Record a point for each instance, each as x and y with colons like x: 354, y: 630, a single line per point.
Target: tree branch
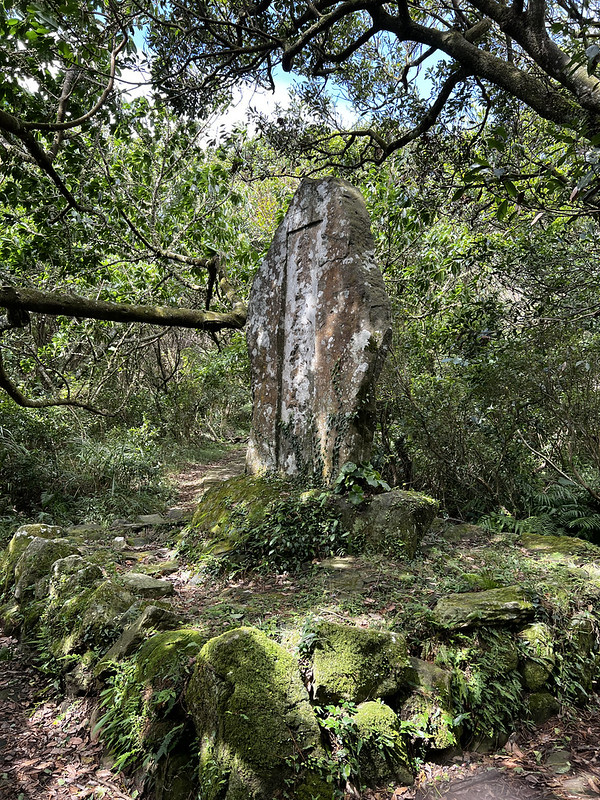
x: 58, y: 304
x: 19, y: 398
x: 74, y: 123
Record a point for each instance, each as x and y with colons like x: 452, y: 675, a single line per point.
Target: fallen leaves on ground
x: 45, y: 746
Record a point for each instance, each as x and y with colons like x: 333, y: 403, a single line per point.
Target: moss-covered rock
x: 429, y: 706
x: 36, y: 562
x: 143, y: 722
x: 90, y: 620
x: 392, y: 523
x: 252, y: 717
x: 582, y: 633
x: 11, y: 617
x: 216, y: 527
x: 40, y: 530
x: 357, y: 664
x: 493, y: 607
x: 486, y: 685
x: 558, y: 547
x: 537, y: 643
x: 462, y: 532
x: 70, y: 575
x: 175, y: 776
x: 542, y: 706
x: 383, y: 756
x: 80, y: 679
x: 149, y: 621
x: 165, y: 658
x: 17, y: 546
x: 146, y: 586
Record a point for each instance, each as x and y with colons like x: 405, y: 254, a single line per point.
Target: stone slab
x: 146, y: 586
x: 493, y: 607
x: 318, y: 331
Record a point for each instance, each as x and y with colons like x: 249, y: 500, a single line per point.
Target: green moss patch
x: 356, y: 664
x: 383, y: 755
x: 493, y: 607
x: 252, y: 716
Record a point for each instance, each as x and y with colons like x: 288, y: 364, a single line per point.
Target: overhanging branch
x: 57, y: 304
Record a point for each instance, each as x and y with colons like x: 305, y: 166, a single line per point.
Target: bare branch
x: 58, y: 304
x: 18, y: 397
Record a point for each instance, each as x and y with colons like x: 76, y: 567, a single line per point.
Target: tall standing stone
x: 318, y: 330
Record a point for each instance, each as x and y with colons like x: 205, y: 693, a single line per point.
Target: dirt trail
x: 190, y: 482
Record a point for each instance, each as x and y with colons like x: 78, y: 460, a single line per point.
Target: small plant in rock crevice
x: 338, y: 723
x: 487, y: 694
x: 293, y: 531
x: 341, y: 766
x: 356, y: 481
x: 142, y: 721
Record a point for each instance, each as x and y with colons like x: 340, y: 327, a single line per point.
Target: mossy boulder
x: 151, y: 620
x: 40, y: 530
x: 542, y: 706
x: 429, y: 706
x: 11, y: 617
x: 357, y: 664
x: 17, y: 546
x: 383, y: 756
x: 582, y: 633
x: 463, y: 531
x: 500, y: 651
x: 537, y: 644
x: 80, y: 679
x: 36, y: 562
x: 90, y: 620
x: 216, y: 525
x: 493, y: 607
x: 392, y: 523
x: 142, y: 720
x: 70, y: 575
x: 9, y: 558
x: 165, y: 658
x: 253, y: 718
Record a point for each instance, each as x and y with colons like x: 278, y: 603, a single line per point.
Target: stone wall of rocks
x: 251, y: 701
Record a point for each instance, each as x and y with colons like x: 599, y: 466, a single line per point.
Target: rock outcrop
x: 253, y: 719
x: 318, y: 331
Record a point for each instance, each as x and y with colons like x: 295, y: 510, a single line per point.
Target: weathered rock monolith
x: 318, y: 331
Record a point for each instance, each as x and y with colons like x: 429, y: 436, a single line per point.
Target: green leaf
x: 502, y: 210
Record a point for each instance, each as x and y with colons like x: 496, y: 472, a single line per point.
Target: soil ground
x: 47, y: 749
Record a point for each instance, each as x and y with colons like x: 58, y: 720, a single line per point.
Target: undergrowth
x: 142, y: 719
